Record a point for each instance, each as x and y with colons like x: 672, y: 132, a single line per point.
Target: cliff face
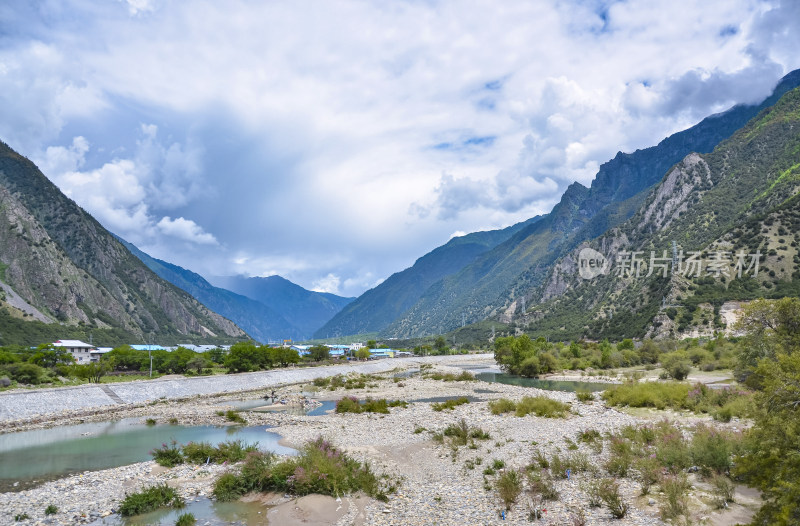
x: 734, y: 217
x: 62, y: 263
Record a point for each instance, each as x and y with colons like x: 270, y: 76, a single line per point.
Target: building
x: 82, y: 352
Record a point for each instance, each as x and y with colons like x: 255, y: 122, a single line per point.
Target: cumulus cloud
x: 329, y: 283
x: 123, y: 193
x: 185, y: 229
x: 351, y: 142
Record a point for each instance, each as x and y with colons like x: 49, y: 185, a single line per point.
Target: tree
x: 372, y: 344
x: 198, y: 363
x: 48, y: 355
x: 770, y: 461
x: 126, y: 358
x: 242, y: 357
x: 90, y: 371
x: 771, y: 326
x: 363, y: 354
x: 440, y: 345
x: 677, y: 364
x: 319, y: 353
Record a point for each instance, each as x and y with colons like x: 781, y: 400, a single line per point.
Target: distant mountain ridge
x: 494, y: 285
x: 275, y: 309
x: 305, y: 309
x: 64, y: 275
x: 378, y: 307
x: 257, y: 319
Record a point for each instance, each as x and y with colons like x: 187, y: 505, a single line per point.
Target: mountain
x: 304, y: 309
x: 378, y: 307
x: 258, y: 320
x: 64, y: 275
x: 725, y: 207
x: 495, y: 284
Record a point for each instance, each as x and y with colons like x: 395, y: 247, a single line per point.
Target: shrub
x: 449, y: 404
x: 594, y: 491
x: 228, y: 487
x: 575, y: 463
x: 648, y: 394
x: 541, y: 406
x: 51, y: 509
x: 584, y: 396
x: 186, y: 519
x: 541, y: 483
x: 509, y: 486
x: 150, y: 499
x: 672, y: 451
x: 609, y: 494
x: 620, y: 456
x: 234, y: 416
x: 503, y: 405
x: 150, y: 421
x: 348, y: 404
x: 650, y: 472
x: 376, y: 406
x: 674, y: 488
x: 711, y: 450
x: 318, y: 468
x: 723, y: 490
x: 168, y: 455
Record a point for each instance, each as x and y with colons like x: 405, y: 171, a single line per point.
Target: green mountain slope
x: 258, y: 320
x: 739, y: 200
x: 494, y: 284
x: 304, y: 309
x: 378, y: 307
x: 69, y: 275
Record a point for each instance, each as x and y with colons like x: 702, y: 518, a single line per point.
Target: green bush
x: 449, y: 404
x: 672, y: 451
x: 150, y: 499
x: 318, y: 468
x: 541, y: 406
x: 234, y: 416
x: 675, y: 488
x: 648, y: 394
x: 509, y: 486
x: 584, y: 396
x: 608, y: 491
x: 503, y: 405
x: 712, y: 450
x: 186, y: 519
x: 51, y: 509
x: 168, y: 455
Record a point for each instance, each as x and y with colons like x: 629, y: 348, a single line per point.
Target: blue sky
x: 334, y: 142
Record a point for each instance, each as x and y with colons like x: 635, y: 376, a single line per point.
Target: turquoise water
x: 31, y: 457
x: 258, y: 404
x: 549, y: 385
x: 205, y: 511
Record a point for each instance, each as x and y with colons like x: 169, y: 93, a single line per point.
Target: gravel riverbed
x: 439, y: 487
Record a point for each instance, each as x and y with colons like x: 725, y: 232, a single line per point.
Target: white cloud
x: 351, y: 141
x: 329, y: 283
x: 185, y: 229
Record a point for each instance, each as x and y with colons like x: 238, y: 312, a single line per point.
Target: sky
x: 334, y: 142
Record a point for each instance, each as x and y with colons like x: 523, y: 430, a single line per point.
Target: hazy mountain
x: 494, y: 284
x: 64, y: 275
x: 378, y: 307
x: 304, y: 309
x: 258, y: 320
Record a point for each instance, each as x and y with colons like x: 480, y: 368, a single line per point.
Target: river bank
x: 440, y: 485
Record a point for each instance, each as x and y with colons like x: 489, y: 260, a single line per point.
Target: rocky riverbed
x: 440, y: 485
